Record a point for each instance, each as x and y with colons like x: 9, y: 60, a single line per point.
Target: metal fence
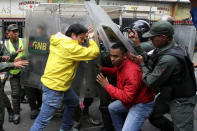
x: 5, y: 22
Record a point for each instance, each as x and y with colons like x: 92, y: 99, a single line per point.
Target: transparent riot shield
x: 185, y: 35
x: 107, y: 29
x: 40, y: 25
x: 85, y: 79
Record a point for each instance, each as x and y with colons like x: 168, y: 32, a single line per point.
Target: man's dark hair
x: 42, y: 27
x: 76, y: 29
x: 119, y: 46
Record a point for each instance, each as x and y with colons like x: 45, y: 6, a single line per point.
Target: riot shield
x: 185, y: 35
x: 107, y: 29
x: 40, y: 25
x: 85, y: 79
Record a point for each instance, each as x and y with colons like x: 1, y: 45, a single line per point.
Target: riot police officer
x: 170, y: 71
x: 141, y: 27
x: 14, y: 48
x: 30, y: 76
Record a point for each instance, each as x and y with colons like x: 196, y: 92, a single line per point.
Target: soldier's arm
x: 6, y: 66
x: 1, y: 59
x: 161, y: 73
x: 7, y: 53
x: 142, y: 49
x: 13, y: 56
x: 147, y: 46
x: 141, y: 52
x: 16, y: 64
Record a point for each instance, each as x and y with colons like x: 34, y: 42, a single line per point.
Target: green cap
x: 160, y: 28
x: 12, y: 27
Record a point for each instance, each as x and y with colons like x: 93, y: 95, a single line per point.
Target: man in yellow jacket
x: 65, y: 53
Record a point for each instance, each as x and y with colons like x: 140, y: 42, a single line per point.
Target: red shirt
x: 130, y: 88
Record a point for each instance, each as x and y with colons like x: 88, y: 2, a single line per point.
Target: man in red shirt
x: 131, y: 95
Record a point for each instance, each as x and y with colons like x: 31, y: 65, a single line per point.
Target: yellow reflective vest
x: 62, y: 63
x: 9, y: 46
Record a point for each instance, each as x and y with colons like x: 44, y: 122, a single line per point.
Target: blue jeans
x: 51, y: 101
x: 135, y: 118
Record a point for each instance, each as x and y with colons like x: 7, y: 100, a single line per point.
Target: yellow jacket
x: 63, y: 59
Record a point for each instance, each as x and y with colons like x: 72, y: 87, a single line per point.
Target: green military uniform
x: 145, y: 46
x: 10, y: 50
x: 7, y: 103
x: 165, y: 77
x: 3, y: 67
x: 2, y: 113
x: 160, y: 108
x: 6, y: 100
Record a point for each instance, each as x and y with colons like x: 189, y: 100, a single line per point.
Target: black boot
x: 10, y: 114
x: 1, y: 128
x: 24, y: 100
x: 34, y: 114
x: 16, y: 119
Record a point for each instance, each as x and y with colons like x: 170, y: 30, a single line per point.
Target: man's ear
x: 164, y: 37
x: 73, y: 36
x: 8, y: 32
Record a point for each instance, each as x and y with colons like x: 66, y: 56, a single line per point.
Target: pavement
x: 55, y: 123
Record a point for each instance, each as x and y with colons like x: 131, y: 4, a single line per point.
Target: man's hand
x: 90, y: 29
x: 134, y: 37
x: 19, y: 50
x: 195, y: 65
x: 102, y: 80
x: 5, y: 58
x: 21, y: 63
x: 90, y: 33
x: 137, y: 59
x: 19, y: 59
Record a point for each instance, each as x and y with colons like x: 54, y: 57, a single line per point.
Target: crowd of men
x: 133, y: 88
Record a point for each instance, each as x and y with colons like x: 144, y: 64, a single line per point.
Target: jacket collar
x: 167, y: 46
x: 122, y: 64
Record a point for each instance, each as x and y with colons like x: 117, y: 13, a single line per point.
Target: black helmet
x: 167, y: 18
x: 141, y: 26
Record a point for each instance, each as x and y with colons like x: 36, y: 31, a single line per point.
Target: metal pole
x: 150, y: 15
x: 120, y: 18
x: 3, y: 39
x: 59, y: 9
x: 10, y: 8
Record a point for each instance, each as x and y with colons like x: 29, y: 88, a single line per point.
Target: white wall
x: 10, y: 8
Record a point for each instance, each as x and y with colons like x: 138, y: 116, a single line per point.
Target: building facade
x: 14, y: 11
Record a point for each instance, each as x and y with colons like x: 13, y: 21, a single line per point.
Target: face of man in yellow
x: 80, y: 38
x: 77, y: 32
